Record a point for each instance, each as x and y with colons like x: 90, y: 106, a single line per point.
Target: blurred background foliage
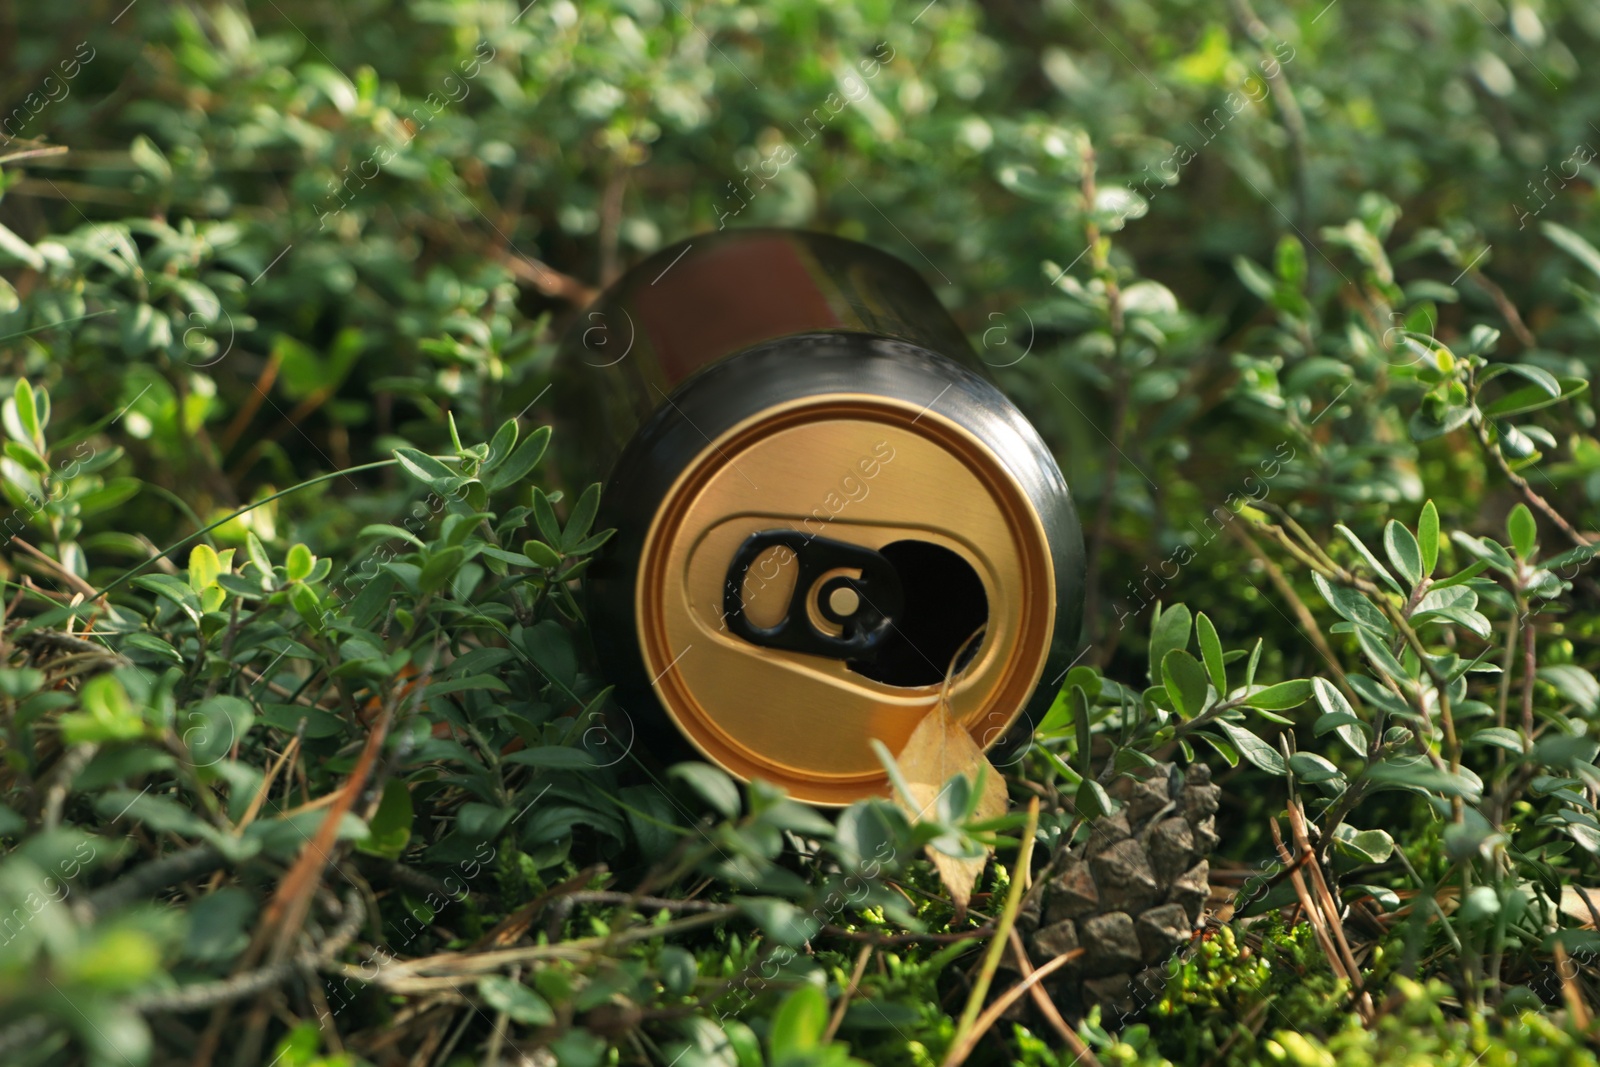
x: 291, y: 236
x: 1212, y: 249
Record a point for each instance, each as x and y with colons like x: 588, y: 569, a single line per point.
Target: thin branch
x: 1330, y: 908
x: 251, y: 983
x: 1010, y: 997
x: 1308, y: 905
x: 967, y: 1030
x: 147, y: 879
x: 1047, y: 1007
x: 1529, y: 494
x: 1308, y: 621
x: 547, y: 280
x: 1508, y: 310
x: 849, y: 991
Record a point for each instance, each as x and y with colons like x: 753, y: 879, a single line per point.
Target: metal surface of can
x: 819, y: 499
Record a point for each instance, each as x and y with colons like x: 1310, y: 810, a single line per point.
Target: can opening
x: 944, y: 605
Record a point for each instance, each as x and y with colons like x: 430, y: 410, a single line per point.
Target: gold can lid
x: 862, y: 470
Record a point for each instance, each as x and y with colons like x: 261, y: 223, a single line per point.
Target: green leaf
x: 1312, y: 768
x: 1491, y: 552
x: 520, y: 462
x: 204, y: 567
x: 1081, y: 731
x: 305, y: 601
x: 422, y: 466
x: 1572, y: 244
x: 779, y: 919
x: 1428, y: 537
x: 165, y: 585
x: 1170, y: 631
x: 742, y: 1041
x: 516, y: 559
x: 114, y: 1033
x: 1369, y: 846
x: 582, y: 518
x: 217, y: 925
x: 1499, y: 737
x: 299, y: 562
x: 1352, y: 605
x: 386, y: 530
x: 1339, y: 716
x: 440, y: 569
x: 18, y: 682
x: 557, y: 757
x: 592, y: 543
x: 20, y: 250
x: 1256, y: 751
x: 149, y: 159
x: 1229, y: 754
x: 1254, y: 662
x: 115, y: 493
x: 500, y: 446
x: 1526, y: 371
x: 1533, y: 398
x: 1257, y: 280
x: 1481, y: 903
x: 27, y: 413
x: 257, y: 552
x: 1461, y: 577
x: 549, y: 645
x: 466, y: 683
x: 1574, y: 683
x: 1372, y: 561
x: 159, y: 813
x: 1424, y: 427
x: 1185, y: 681
x: 1281, y: 697
x: 1381, y: 657
x: 1582, y: 554
x: 1465, y: 617
x: 713, y: 785
x: 390, y: 828
x: 1415, y: 772
x: 1403, y: 551
x: 107, y: 713
x: 678, y: 969
x: 211, y: 728
x: 1481, y: 340
x: 25, y: 455
x: 541, y: 554
x: 1523, y: 531
x: 1290, y: 260
x: 1211, y: 651
x: 544, y: 517
x: 1091, y: 800
x: 797, y: 1027
x: 519, y: 1002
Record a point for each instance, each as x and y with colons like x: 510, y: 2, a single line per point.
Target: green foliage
x: 1304, y: 299
x: 1229, y: 1004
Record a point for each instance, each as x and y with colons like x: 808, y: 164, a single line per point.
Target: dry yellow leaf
x: 938, y: 749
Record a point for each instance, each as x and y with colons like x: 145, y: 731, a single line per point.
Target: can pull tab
x: 864, y: 606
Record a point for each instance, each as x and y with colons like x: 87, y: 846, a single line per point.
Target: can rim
x: 1025, y: 663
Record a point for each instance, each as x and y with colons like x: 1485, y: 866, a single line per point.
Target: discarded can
x: 819, y: 499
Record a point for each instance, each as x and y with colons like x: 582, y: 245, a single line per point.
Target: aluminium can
x: 824, y: 510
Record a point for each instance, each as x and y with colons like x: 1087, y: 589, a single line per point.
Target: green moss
x: 1228, y: 1004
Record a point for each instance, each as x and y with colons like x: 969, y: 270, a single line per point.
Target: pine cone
x: 1129, y: 894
